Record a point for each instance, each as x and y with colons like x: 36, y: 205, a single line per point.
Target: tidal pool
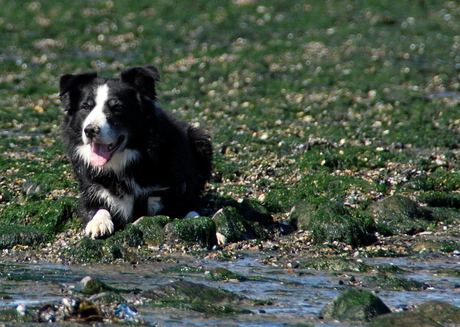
x: 297, y: 295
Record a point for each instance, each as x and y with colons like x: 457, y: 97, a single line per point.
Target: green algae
x: 381, y: 281
x: 197, y: 297
x: 354, y: 305
x: 235, y: 227
x: 337, y: 264
x: 201, y: 230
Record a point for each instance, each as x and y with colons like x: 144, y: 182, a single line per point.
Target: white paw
x: 192, y: 214
x: 100, y: 225
x: 221, y: 239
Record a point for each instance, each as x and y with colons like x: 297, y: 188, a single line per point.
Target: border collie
x: 130, y: 157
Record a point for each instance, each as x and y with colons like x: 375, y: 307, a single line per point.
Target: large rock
x: 197, y: 297
x: 354, y: 305
x: 201, y: 230
x: 332, y: 222
x: 399, y: 215
x: 235, y: 227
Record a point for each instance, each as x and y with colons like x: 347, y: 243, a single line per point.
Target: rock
x: 89, y: 286
x: 197, y: 297
x: 440, y: 312
x: 354, y: 305
x: 14, y: 315
x: 404, y: 319
x: 11, y: 235
x: 44, y: 219
x: 301, y: 214
x: 399, y: 215
x: 337, y: 264
x: 332, y: 222
x: 254, y: 211
x: 153, y: 229
x: 201, y: 230
x: 88, y: 250
x: 394, y: 283
x: 231, y: 224
x: 130, y: 236
x: 221, y: 273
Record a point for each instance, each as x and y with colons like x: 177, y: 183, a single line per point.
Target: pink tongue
x: 100, y: 154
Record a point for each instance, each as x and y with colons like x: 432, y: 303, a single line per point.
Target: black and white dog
x: 130, y: 157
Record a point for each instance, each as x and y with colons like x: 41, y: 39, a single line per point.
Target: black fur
x: 172, y: 155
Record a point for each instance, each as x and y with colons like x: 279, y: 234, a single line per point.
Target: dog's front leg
x: 100, y: 225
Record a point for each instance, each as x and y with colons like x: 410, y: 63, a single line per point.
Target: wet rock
x: 336, y: 264
x: 197, y: 297
x: 404, y: 319
x: 231, y: 224
x: 399, y: 215
x: 130, y: 236
x: 354, y: 305
x: 301, y: 214
x: 11, y: 235
x: 89, y: 286
x: 394, y: 283
x: 87, y: 250
x: 153, y: 229
x: 440, y: 312
x: 254, y: 211
x: 201, y: 230
x: 184, y: 268
x: 35, y: 222
x: 332, y: 222
x: 223, y: 274
x: 15, y: 315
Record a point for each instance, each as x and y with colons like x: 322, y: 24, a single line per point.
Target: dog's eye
x: 85, y: 106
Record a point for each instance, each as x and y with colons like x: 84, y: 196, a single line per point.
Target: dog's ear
x: 143, y: 78
x: 69, y: 81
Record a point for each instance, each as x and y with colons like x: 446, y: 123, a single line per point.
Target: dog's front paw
x: 100, y: 225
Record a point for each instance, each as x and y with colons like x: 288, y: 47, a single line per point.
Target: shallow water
x: 298, y: 294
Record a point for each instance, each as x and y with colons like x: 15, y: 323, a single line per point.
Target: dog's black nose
x: 91, y: 131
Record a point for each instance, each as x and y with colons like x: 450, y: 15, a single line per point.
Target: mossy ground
x: 329, y: 101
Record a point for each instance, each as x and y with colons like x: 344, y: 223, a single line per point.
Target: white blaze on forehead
x: 96, y: 116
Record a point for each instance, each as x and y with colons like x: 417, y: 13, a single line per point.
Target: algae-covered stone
x: 354, y: 305
x: 394, y: 283
x: 201, y: 230
x: 90, y: 286
x: 87, y: 250
x: 332, y: 222
x: 337, y: 264
x: 184, y: 268
x: 404, y: 319
x: 152, y: 229
x: 11, y: 235
x: 197, y: 297
x: 440, y: 312
x: 221, y: 273
x: 235, y: 227
x: 301, y: 214
x: 130, y: 236
x: 36, y: 222
x: 399, y: 215
x: 254, y: 211
x: 15, y: 316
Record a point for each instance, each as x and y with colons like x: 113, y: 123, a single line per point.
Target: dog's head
x: 105, y: 112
